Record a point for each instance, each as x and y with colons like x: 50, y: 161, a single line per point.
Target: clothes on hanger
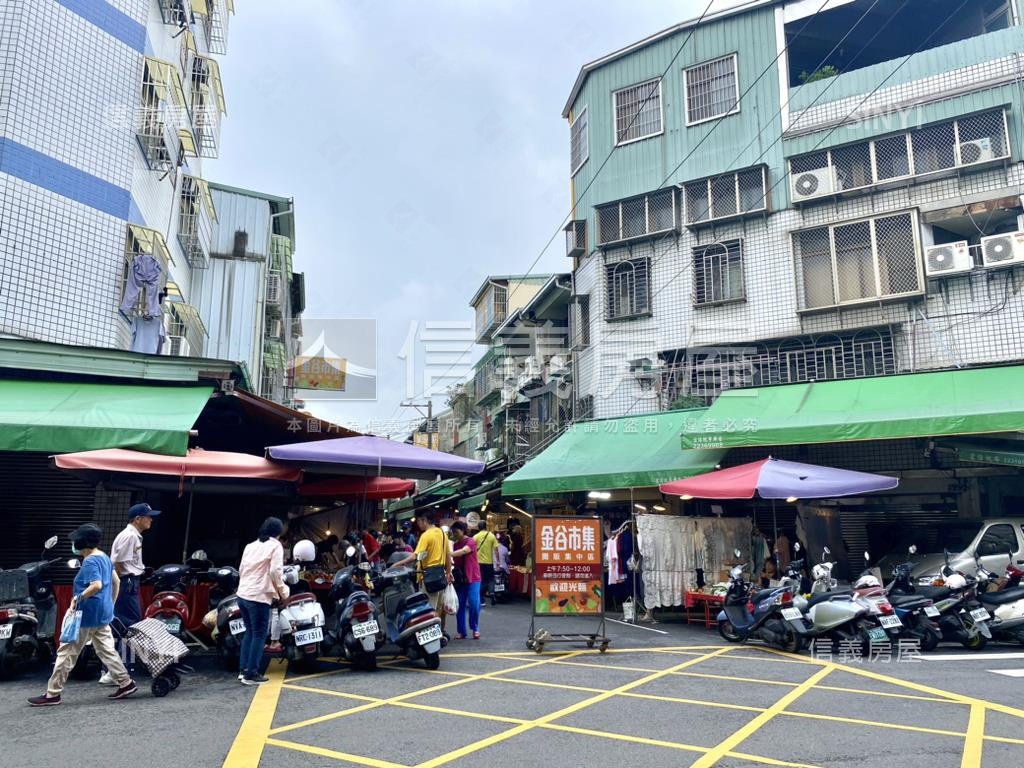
x: 148, y: 334
x: 145, y: 272
x: 615, y: 571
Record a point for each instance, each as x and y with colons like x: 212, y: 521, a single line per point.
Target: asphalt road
x: 673, y: 697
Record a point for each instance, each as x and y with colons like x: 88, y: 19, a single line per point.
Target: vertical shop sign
x: 567, y: 566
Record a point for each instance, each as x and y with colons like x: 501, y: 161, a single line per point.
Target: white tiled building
x: 107, y: 111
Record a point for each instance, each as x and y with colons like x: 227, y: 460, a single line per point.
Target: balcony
x: 157, y: 138
x: 491, y: 311
x: 208, y: 105
x: 974, y: 64
x: 195, y: 221
x: 214, y: 16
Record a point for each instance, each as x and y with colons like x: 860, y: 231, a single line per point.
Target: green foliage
x: 824, y: 73
x: 683, y: 402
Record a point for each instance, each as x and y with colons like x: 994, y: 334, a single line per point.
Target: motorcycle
x: 28, y: 614
x: 747, y: 614
x: 301, y: 616
x: 169, y: 603
x: 1007, y: 604
x: 411, y: 623
x: 355, y: 627
x: 500, y: 586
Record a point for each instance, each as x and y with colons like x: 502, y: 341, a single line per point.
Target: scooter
x: 302, y: 622
x: 828, y: 613
x: 500, y: 586
x: 355, y: 628
x: 411, y: 624
x: 917, y: 612
x: 28, y: 614
x: 748, y: 615
x: 169, y: 603
x: 1006, y: 604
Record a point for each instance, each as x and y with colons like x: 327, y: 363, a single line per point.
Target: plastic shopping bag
x: 72, y: 625
x: 450, y: 602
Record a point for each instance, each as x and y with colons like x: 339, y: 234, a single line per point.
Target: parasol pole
x: 188, y: 520
x: 632, y: 538
x: 775, y: 526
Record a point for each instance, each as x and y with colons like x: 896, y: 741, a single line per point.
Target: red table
x: 520, y: 583
x: 707, y: 602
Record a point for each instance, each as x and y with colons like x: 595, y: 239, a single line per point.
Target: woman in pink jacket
x: 260, y: 582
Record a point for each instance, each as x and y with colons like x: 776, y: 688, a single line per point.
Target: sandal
x: 476, y: 635
x: 460, y: 637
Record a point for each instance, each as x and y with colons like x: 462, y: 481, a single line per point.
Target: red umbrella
x: 221, y: 472
x: 371, y: 489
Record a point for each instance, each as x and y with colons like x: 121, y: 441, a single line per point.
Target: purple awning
x: 374, y: 456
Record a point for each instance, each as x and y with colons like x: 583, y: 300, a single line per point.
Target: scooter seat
x: 935, y: 593
x: 908, y: 602
x: 1003, y: 596
x: 824, y: 597
x: 301, y: 597
x: 762, y: 594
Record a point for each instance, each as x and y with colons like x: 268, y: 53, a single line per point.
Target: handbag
x: 459, y: 577
x: 434, y: 578
x: 71, y: 627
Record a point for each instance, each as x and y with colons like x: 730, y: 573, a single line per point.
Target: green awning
x: 441, y: 489
x: 632, y: 452
x: 472, y: 502
x: 61, y: 417
x: 941, y: 403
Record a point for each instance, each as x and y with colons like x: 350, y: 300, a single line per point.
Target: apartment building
x: 794, y: 195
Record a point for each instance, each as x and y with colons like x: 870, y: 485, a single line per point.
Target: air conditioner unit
x: 978, y: 151
x: 811, y: 184
x: 275, y: 328
x: 1003, y: 250
x: 948, y: 259
x: 274, y: 289
x: 576, y: 239
x: 177, y: 346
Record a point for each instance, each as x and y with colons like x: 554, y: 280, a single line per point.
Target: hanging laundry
x: 615, y: 574
x: 145, y: 272
x: 148, y: 334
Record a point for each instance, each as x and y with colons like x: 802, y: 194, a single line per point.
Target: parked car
x: 991, y: 539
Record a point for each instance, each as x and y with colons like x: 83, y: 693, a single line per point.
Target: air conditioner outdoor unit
x: 1003, y: 250
x: 948, y: 259
x: 811, y: 184
x: 177, y: 346
x: 576, y: 239
x: 273, y: 289
x: 978, y: 151
x: 275, y: 328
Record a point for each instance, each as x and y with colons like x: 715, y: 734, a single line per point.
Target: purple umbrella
x: 374, y: 456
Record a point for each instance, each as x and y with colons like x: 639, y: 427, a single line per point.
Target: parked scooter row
x: 28, y: 613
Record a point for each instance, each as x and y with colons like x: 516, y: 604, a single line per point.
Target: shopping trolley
x: 158, y: 650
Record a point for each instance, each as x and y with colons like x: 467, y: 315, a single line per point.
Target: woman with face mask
x: 95, y: 591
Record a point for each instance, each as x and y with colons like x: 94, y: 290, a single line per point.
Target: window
x: 944, y: 147
x: 637, y: 217
x: 996, y: 14
x: 637, y: 111
x: 579, y: 320
x: 723, y: 197
x: 718, y: 272
x: 859, y: 261
x: 628, y: 289
x: 998, y: 540
x: 579, y: 141
x: 207, y: 104
x: 711, y: 90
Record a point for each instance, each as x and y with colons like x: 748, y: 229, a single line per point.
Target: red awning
x: 197, y: 463
x: 371, y: 488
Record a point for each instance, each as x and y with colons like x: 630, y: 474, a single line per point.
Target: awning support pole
x: 188, y: 521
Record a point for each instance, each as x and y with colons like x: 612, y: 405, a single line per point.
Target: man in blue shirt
x: 96, y: 587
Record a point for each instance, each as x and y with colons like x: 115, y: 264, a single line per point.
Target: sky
x: 424, y: 147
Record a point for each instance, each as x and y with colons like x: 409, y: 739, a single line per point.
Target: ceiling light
x: 328, y: 533
x: 641, y: 507
x: 659, y: 507
x: 599, y: 495
x: 686, y: 497
x: 791, y: 500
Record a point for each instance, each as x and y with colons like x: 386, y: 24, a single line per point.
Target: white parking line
x: 972, y: 656
x: 637, y: 626
x: 1009, y: 672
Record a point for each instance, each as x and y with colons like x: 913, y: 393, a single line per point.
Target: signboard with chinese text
x: 324, y: 373
x: 567, y: 566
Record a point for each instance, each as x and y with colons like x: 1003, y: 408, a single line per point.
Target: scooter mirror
x: 74, y: 563
x: 364, y: 566
x: 50, y: 543
x: 350, y: 552
x: 912, y: 549
x: 867, y: 557
x: 736, y: 553
x: 827, y: 551
x: 199, y: 554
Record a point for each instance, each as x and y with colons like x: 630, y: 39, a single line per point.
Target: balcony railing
x: 214, y: 16
x: 157, y: 137
x: 207, y: 101
x: 195, y: 222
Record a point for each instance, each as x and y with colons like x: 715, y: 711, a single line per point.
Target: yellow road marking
x: 247, y: 748
x: 1004, y: 740
x: 320, y: 751
x: 742, y: 734
x: 975, y: 740
x: 885, y: 694
x: 874, y: 723
x: 710, y: 676
x: 403, y: 697
x: 565, y: 711
x: 460, y: 713
x: 328, y: 692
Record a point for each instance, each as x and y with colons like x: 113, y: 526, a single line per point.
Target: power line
x: 597, y: 173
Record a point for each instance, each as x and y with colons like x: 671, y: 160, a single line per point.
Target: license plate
x: 877, y: 635
x: 6, y: 631
x: 890, y: 622
x: 424, y: 636
x: 365, y: 628
x: 980, y: 614
x: 499, y: 587
x: 173, y: 625
x: 237, y: 626
x: 931, y: 611
x: 307, y: 636
x: 791, y: 614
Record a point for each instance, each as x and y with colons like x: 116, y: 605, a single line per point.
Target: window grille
x: 962, y: 143
x: 724, y: 197
x: 718, y: 272
x: 194, y: 225
x: 155, y: 127
x: 579, y: 142
x: 207, y: 104
x: 214, y: 19
x: 711, y: 90
x: 174, y: 12
x: 576, y: 239
x: 579, y: 319
x: 637, y: 111
x: 859, y: 261
x: 585, y: 408
x: 628, y: 288
x: 637, y: 217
